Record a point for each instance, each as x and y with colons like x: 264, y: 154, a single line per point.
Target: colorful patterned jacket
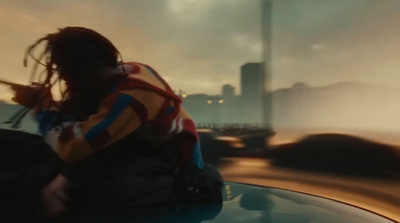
x: 142, y: 102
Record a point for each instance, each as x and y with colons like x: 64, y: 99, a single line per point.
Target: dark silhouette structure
x: 338, y: 153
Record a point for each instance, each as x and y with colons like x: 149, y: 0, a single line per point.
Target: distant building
x: 229, y: 108
x: 252, y: 83
x: 228, y: 91
x: 199, y: 110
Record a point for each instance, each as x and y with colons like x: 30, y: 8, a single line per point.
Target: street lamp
x: 217, y: 101
x: 182, y: 94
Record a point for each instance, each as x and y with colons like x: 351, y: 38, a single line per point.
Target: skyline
x: 190, y: 43
x: 197, y: 46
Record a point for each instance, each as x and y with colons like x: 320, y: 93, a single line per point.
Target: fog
x: 334, y: 67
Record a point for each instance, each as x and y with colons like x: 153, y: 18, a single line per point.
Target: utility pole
x: 266, y: 22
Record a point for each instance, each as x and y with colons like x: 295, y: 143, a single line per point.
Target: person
x: 118, y: 128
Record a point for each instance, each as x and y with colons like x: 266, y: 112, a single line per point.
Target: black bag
x: 194, y: 185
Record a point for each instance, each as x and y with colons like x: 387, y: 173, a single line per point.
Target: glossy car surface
x: 249, y: 203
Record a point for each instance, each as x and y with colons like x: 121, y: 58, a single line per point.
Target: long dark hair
x: 74, y: 56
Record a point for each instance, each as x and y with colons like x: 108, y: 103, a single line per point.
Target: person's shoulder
x: 136, y: 63
x: 137, y: 67
x: 145, y: 76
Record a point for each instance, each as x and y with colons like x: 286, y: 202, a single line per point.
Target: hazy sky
x: 196, y: 45
x: 326, y: 41
x: 199, y: 45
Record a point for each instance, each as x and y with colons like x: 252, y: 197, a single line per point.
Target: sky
x: 199, y: 45
x: 321, y: 42
x: 196, y: 45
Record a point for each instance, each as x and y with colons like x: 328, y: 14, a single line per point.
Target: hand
x: 27, y: 95
x: 54, y: 197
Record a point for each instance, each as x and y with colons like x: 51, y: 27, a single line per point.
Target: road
x: 380, y: 195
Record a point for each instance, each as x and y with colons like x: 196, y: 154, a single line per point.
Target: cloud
x: 317, y: 47
x: 335, y: 41
x: 185, y: 39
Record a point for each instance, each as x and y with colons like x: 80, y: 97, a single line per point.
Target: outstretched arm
x: 119, y: 114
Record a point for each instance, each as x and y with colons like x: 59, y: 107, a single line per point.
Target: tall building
x: 267, y: 21
x: 252, y: 83
x: 228, y: 91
